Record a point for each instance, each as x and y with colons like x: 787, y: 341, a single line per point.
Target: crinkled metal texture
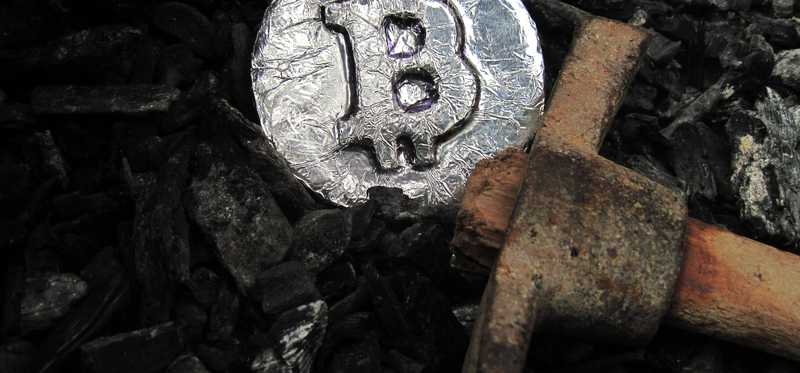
x: 398, y: 93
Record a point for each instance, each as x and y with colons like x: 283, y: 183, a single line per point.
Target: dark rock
x: 109, y: 293
x: 697, y: 109
x: 178, y: 66
x: 87, y: 52
x: 221, y: 358
x: 16, y: 356
x: 641, y: 97
x: 192, y: 320
x: 284, y: 286
x: 661, y: 50
x: 321, y: 237
x: 298, y: 334
x: 74, y: 204
x: 161, y: 233
x: 141, y: 351
x: 223, y: 315
x: 347, y: 330
x: 393, y: 205
x: 467, y: 314
x: 205, y: 286
x: 766, y: 167
x: 54, y: 161
x: 235, y: 210
x: 289, y: 192
x: 386, y: 304
x: 187, y: 24
x: 187, y: 364
x: 269, y: 362
x: 361, y: 357
x: 701, y: 160
x: 787, y: 68
x: 242, y: 41
x: 337, y: 281
x: 129, y: 99
x: 783, y: 8
x: 782, y: 33
x: 357, y: 300
x: 49, y: 297
x: 404, y: 364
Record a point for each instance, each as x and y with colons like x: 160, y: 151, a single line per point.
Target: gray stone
x: 49, y: 297
x: 766, y: 168
x: 787, y: 68
x: 236, y: 211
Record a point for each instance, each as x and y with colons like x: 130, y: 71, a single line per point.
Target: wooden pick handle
x: 739, y: 290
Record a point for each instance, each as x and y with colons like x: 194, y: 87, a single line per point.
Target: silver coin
x: 398, y: 93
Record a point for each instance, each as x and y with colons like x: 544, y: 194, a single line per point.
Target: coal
x: 783, y: 8
x: 704, y: 104
x: 360, y: 357
x: 48, y: 297
x: 701, y: 161
x: 205, y: 286
x: 161, y: 245
x: 128, y: 99
x: 404, y: 364
x: 766, y: 167
x: 268, y: 361
x: 782, y: 33
x: 321, y: 237
x: 192, y: 319
x: 298, y: 334
x: 109, y: 293
x: 16, y: 356
x: 187, y: 24
x: 55, y: 163
x: 386, y: 304
x: 661, y: 49
x: 284, y: 286
x: 787, y: 68
x: 236, y: 211
x: 187, y: 364
x: 82, y: 52
x: 141, y: 351
x: 223, y: 315
x: 337, y: 281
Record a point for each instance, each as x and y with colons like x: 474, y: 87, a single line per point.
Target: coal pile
x: 148, y: 226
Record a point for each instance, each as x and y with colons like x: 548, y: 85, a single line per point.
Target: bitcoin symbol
x: 410, y: 80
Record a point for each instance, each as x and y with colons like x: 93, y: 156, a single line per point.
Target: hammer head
x: 604, y: 244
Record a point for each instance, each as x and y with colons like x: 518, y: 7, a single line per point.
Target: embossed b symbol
x: 410, y: 80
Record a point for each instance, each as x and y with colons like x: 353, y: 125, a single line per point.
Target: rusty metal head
x: 594, y: 251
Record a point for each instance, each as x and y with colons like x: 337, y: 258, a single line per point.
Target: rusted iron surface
x: 602, y: 63
x: 594, y: 250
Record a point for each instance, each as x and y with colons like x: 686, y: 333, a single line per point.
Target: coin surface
x: 398, y: 93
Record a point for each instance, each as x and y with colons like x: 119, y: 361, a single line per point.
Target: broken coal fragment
x: 766, y: 167
x: 222, y: 315
x: 142, y: 351
x: 128, y: 99
x: 361, y: 357
x: 700, y: 159
x: 298, y: 334
x: 236, y: 211
x: 187, y: 364
x: 187, y: 24
x: 16, y: 356
x: 49, y: 297
x: 284, y: 286
x: 787, y: 68
x: 269, y: 362
x: 321, y: 237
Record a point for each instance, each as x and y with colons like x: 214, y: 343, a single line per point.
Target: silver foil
x: 399, y: 93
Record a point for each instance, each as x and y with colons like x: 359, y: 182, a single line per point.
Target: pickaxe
x: 596, y: 250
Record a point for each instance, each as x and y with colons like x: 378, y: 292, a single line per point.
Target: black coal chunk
x: 284, y: 286
x: 141, y: 351
x: 701, y: 159
x: 128, y: 99
x: 787, y: 68
x: 187, y: 364
x: 363, y: 356
x: 188, y: 25
x: 269, y: 362
x: 16, y: 356
x: 223, y: 315
x: 321, y: 237
x: 49, y: 297
x: 782, y: 33
x: 236, y: 212
x: 766, y: 167
x: 298, y: 334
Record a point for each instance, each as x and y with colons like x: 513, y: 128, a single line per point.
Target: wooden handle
x: 740, y: 290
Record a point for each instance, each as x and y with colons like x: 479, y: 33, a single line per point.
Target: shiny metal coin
x: 399, y: 93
